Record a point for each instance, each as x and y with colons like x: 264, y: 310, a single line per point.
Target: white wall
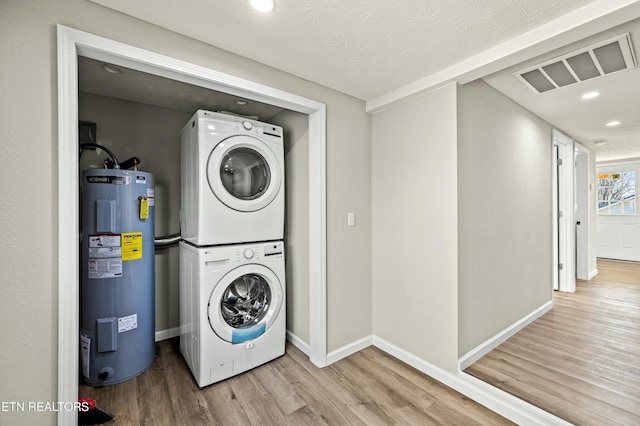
x: 415, y: 232
x: 28, y: 148
x: 504, y: 196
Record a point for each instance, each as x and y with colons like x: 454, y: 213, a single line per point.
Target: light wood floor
x: 367, y: 388
x: 581, y: 360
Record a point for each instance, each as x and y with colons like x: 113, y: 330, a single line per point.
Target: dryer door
x: 244, y: 173
x: 245, y: 303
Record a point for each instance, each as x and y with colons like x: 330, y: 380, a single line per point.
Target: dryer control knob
x: 247, y: 125
x: 248, y: 253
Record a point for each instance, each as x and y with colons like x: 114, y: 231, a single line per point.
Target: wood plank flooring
x: 581, y: 360
x: 367, y: 388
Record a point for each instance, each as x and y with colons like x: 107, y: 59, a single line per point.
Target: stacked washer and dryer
x: 232, y: 270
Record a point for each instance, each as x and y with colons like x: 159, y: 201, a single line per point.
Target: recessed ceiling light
x: 241, y: 102
x: 263, y: 5
x: 590, y: 95
x: 111, y: 68
x: 613, y: 123
x: 600, y: 143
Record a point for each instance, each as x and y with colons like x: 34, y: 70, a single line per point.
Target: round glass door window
x: 245, y: 301
x: 245, y: 173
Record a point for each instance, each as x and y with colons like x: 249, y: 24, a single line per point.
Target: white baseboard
x: 593, y: 273
x: 332, y: 356
x: 487, y: 346
x: 349, y: 349
x: 298, y: 343
x: 495, y: 399
x: 508, y: 406
x: 167, y: 334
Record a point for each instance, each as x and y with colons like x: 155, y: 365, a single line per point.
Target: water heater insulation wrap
x: 117, y: 284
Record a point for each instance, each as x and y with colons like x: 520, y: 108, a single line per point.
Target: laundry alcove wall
x: 152, y: 133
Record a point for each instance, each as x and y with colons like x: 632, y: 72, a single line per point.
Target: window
x: 617, y: 193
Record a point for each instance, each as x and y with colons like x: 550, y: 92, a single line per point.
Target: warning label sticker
x: 111, y: 240
x: 105, y: 268
x: 132, y: 246
x: 85, y: 350
x: 127, y: 323
x: 151, y: 196
x: 105, y: 256
x: 104, y: 252
x: 144, y: 208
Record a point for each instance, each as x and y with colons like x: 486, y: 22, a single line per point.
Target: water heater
x: 117, y: 336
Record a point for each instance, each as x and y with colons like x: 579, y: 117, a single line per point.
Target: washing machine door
x: 244, y: 173
x: 245, y: 303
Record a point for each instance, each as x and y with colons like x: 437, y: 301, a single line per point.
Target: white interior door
x: 618, y: 223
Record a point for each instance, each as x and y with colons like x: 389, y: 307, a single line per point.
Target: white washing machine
x: 232, y: 188
x: 232, y: 308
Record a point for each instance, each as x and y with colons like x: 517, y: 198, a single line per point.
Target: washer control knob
x: 248, y: 253
x: 247, y: 125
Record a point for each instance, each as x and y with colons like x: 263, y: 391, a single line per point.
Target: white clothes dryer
x: 232, y: 308
x: 232, y: 188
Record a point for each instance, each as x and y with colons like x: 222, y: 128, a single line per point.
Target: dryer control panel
x: 207, y: 121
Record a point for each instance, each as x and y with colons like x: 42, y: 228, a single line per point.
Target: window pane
x: 629, y: 207
x: 617, y: 193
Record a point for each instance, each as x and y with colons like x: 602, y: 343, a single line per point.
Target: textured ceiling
x: 364, y: 48
x: 375, y: 49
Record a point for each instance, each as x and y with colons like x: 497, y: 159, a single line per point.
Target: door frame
x: 73, y: 43
x: 555, y: 240
x: 565, y: 230
x: 583, y: 211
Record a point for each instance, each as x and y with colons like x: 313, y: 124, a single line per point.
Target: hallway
x: 581, y: 360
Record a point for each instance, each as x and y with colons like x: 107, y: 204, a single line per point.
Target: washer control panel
x: 275, y: 249
x: 260, y: 251
x: 220, y: 257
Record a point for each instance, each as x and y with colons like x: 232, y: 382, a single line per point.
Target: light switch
x: 351, y: 219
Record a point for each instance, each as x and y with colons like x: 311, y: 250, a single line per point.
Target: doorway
x: 564, y: 244
x: 73, y: 43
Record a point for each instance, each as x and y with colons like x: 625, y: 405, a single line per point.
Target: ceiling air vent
x: 601, y: 59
